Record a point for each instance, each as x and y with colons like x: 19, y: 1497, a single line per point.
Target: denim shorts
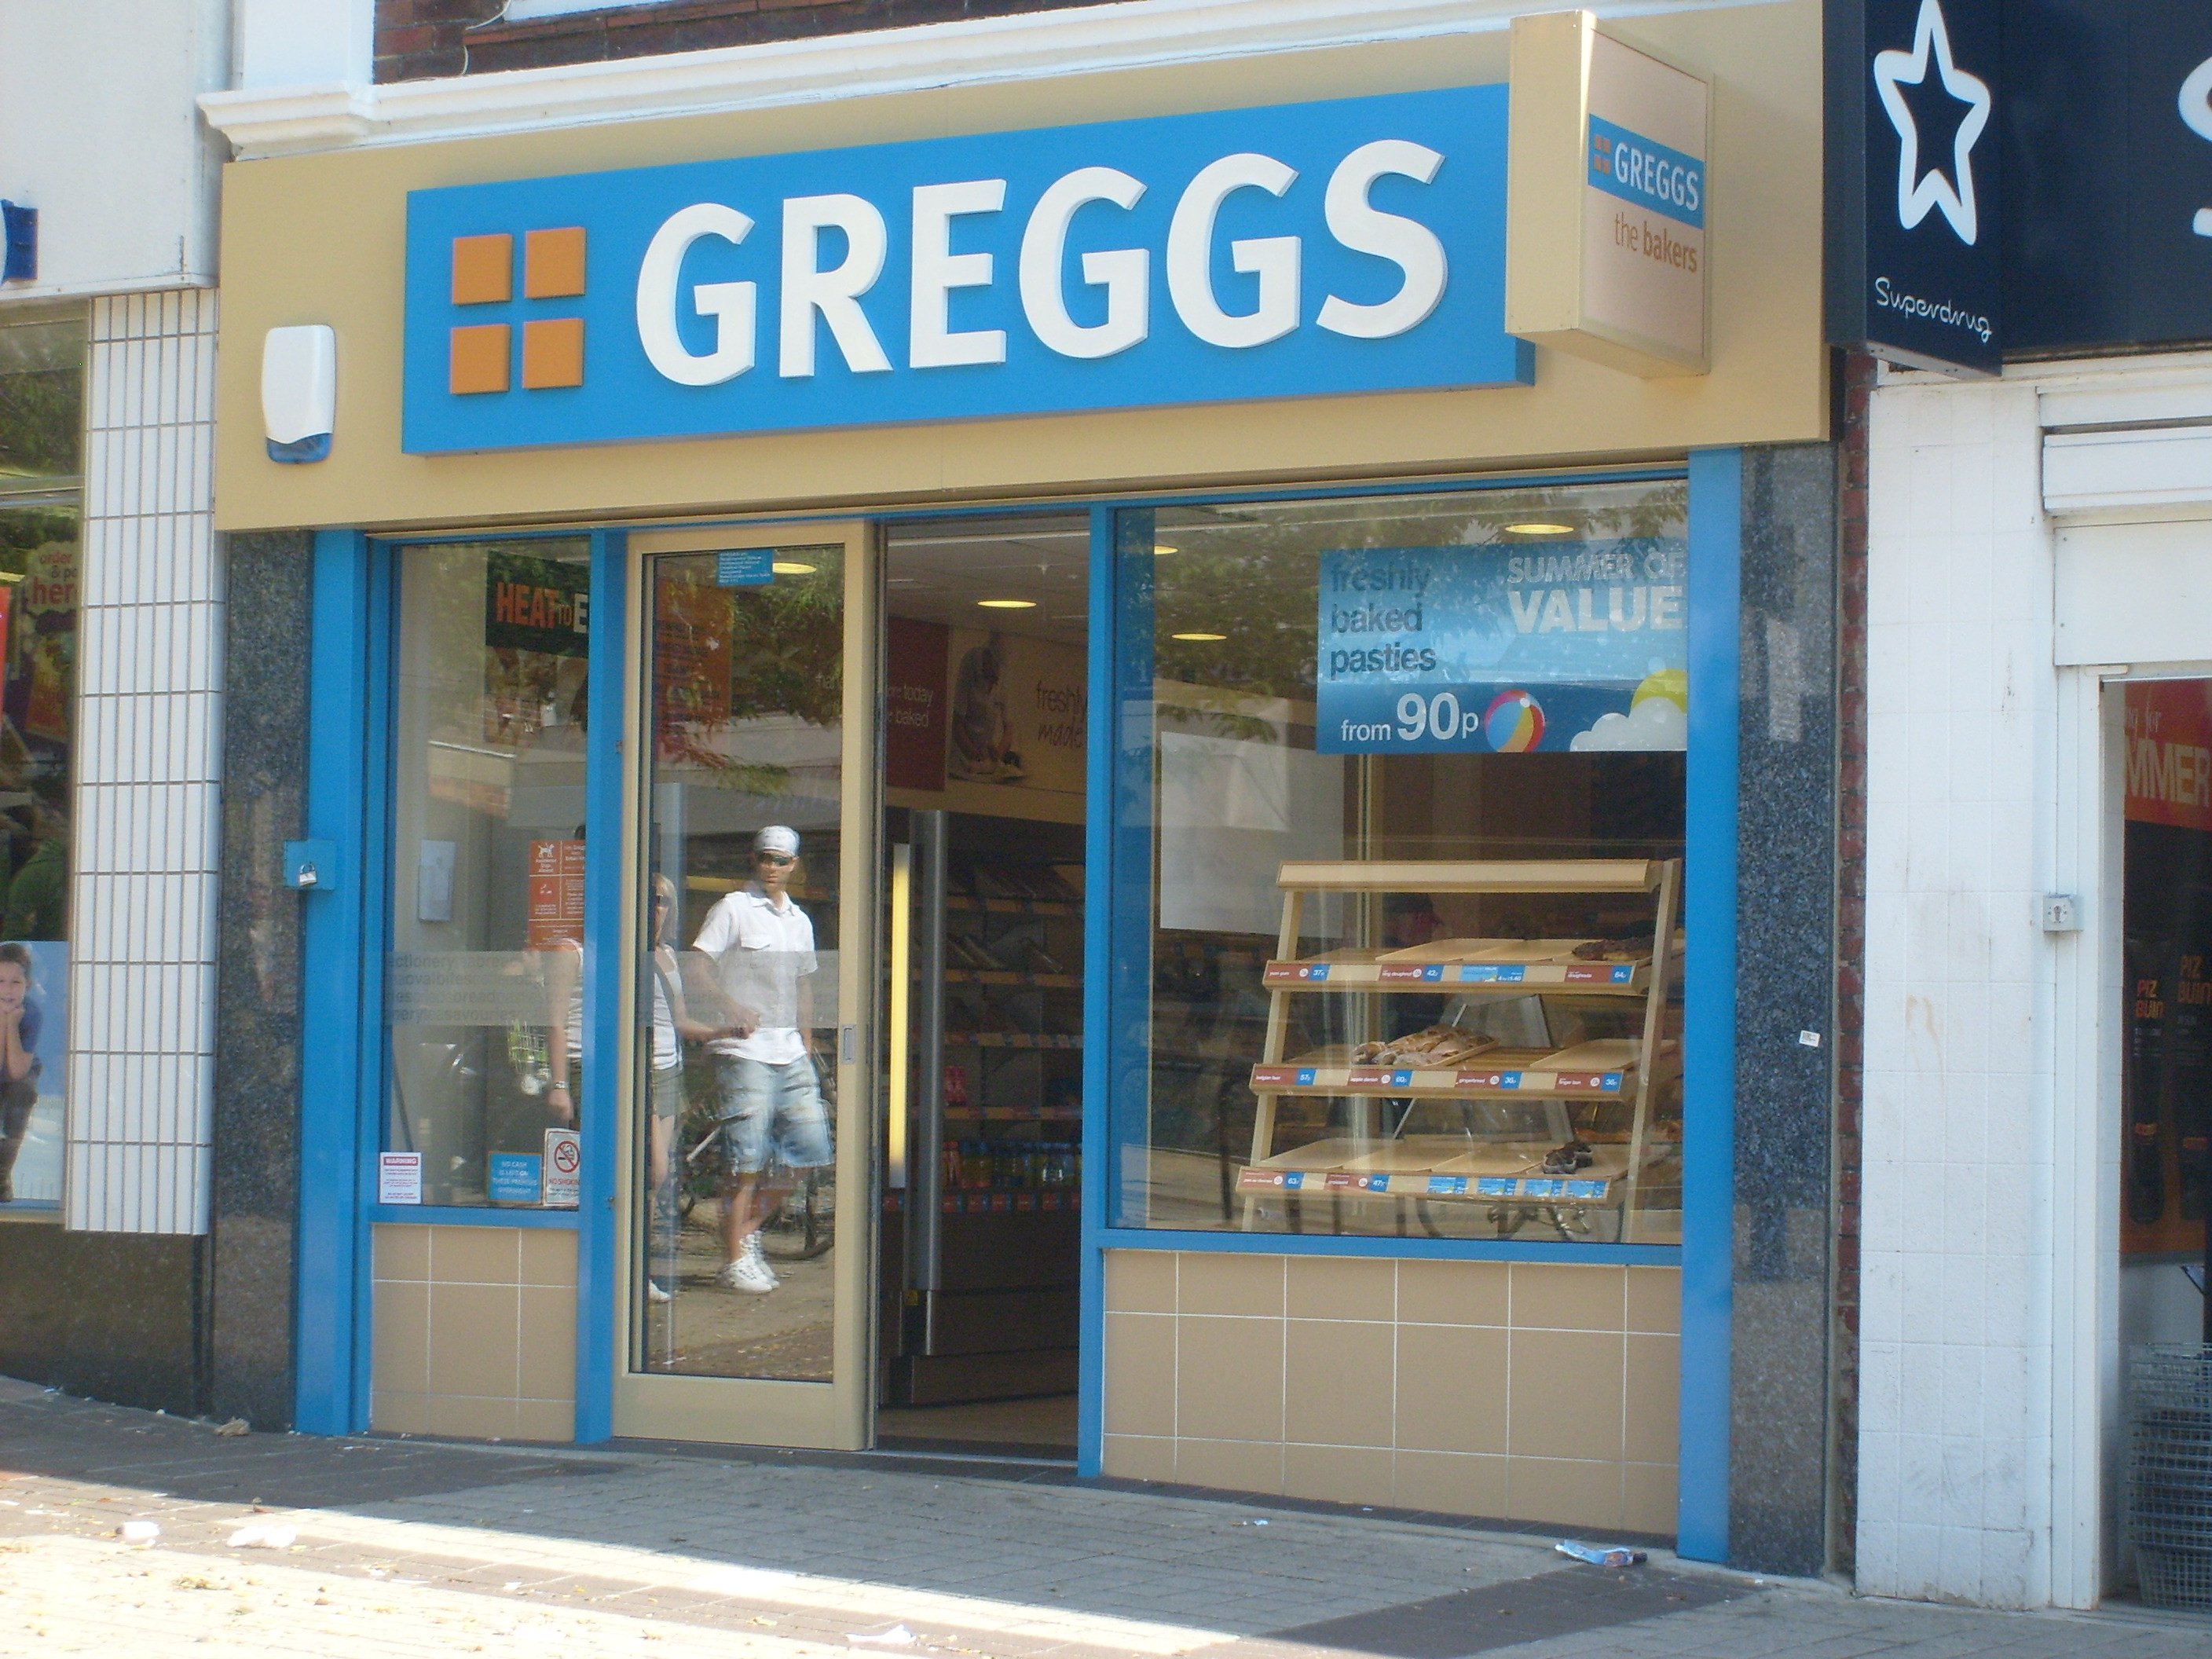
x: 668, y: 1092
x: 766, y: 1106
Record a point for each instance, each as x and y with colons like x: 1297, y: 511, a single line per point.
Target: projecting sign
x: 1350, y: 246
x: 1579, y: 646
x: 1607, y: 256
x: 1916, y: 261
x: 2107, y: 111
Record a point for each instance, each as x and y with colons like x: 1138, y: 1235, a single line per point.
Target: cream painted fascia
x: 321, y: 239
x: 1139, y: 33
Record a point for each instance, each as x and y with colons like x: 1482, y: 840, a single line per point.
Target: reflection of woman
x: 564, y: 1027
x: 20, y: 1022
x: 672, y: 1027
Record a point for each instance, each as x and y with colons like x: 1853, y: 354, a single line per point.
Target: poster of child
x: 982, y: 736
x: 33, y: 1035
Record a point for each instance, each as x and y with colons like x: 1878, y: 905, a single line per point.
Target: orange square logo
x: 552, y: 353
x: 478, y: 358
x: 484, y: 269
x: 553, y: 264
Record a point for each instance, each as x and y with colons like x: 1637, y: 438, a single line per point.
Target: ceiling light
x: 1207, y: 638
x: 792, y: 567
x: 1539, y: 527
x: 1161, y: 550
x: 1007, y: 605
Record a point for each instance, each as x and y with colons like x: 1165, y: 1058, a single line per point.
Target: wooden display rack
x: 1446, y: 1166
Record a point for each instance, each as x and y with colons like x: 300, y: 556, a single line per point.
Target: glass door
x: 748, y: 1226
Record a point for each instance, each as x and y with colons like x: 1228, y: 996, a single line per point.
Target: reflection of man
x: 763, y: 947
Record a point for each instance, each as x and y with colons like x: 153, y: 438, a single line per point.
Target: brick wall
x: 418, y: 39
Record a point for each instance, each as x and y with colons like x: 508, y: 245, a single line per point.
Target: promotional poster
x: 33, y: 1034
x: 1577, y: 645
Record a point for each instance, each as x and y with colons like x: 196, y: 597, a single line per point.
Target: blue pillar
x: 605, y: 887
x: 338, y: 937
x: 1708, y: 1000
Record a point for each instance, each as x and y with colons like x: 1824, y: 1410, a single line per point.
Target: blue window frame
x: 1131, y: 544
x: 342, y: 1081
x: 1118, y: 975
x: 346, y: 932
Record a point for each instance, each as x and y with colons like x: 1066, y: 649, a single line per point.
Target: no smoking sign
x: 564, y: 1160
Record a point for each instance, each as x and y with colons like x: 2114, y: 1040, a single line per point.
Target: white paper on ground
x: 262, y: 1535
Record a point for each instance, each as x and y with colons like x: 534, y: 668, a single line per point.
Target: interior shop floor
x: 1027, y: 1428
x: 386, y: 1547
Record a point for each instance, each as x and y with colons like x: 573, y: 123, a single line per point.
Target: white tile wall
x: 149, y: 715
x: 1954, y: 1455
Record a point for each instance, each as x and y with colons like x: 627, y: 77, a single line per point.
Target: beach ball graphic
x: 1672, y: 683
x: 1514, y: 723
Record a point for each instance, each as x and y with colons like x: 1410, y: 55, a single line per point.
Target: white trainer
x: 759, y: 1259
x: 747, y: 1273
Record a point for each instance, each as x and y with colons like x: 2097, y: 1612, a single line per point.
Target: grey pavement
x: 374, y: 1546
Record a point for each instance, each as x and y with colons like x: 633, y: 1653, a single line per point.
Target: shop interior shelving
x: 1559, y: 1176
x: 990, y: 1260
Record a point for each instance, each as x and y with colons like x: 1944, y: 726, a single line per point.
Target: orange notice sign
x: 556, y: 892
x: 2168, y: 733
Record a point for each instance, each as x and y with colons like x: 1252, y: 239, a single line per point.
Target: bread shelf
x: 1008, y: 976
x: 968, y: 903
x: 1465, y: 1066
x: 1477, y: 876
x: 1346, y: 970
x: 1436, y: 1166
x: 1498, y: 1074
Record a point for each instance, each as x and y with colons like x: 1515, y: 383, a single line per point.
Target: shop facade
x: 111, y: 628
x: 967, y: 747
x: 2035, y: 1143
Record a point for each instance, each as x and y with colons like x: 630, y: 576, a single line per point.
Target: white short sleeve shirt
x: 761, y: 951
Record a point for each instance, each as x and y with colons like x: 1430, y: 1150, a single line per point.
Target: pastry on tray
x: 1530, y: 952
x: 1614, y: 950
x: 1433, y: 1046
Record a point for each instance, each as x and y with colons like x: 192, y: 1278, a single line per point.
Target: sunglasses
x: 773, y: 858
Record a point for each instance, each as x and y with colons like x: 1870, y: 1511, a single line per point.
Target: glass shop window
x: 42, y: 366
x: 1416, y: 768
x: 483, y: 978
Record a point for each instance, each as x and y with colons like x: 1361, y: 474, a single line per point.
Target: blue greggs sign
x: 1351, y: 247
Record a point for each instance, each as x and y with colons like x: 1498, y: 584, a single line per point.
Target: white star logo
x: 1916, y: 193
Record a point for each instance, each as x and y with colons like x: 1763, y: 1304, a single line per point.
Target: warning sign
x: 556, y: 892
x: 564, y: 1163
x: 399, y: 1177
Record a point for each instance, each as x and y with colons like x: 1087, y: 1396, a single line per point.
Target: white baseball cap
x: 777, y: 838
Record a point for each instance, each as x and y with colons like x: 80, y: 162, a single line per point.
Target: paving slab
x: 403, y: 1546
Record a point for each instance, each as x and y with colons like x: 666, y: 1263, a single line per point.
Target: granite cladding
x: 108, y: 1315
x: 257, y: 1034
x: 1785, y: 1037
